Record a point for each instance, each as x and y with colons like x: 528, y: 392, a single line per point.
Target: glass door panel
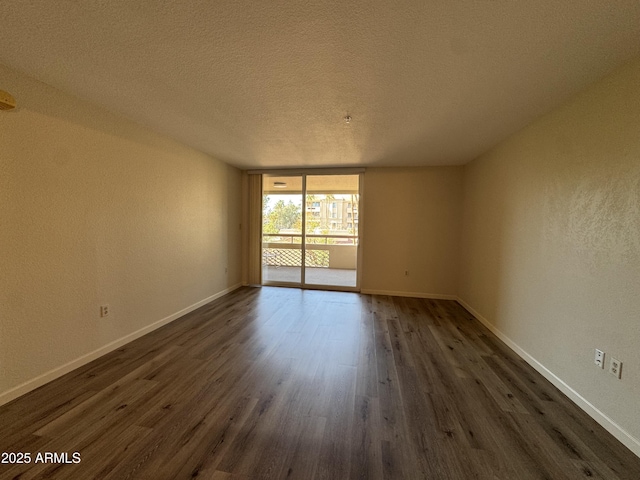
x: 282, y: 223
x: 331, y: 230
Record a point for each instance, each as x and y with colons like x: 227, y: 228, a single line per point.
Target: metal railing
x: 287, y: 238
x: 280, y: 250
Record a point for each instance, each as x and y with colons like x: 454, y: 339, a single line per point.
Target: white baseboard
x: 57, y: 372
x: 391, y: 293
x: 612, y: 427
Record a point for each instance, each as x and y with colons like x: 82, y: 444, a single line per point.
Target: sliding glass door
x: 282, y: 229
x: 310, y: 232
x: 331, y: 230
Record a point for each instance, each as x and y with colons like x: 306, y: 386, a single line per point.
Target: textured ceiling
x: 267, y: 84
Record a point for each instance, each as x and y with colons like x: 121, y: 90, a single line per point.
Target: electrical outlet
x: 104, y: 310
x: 599, y: 360
x: 615, y: 367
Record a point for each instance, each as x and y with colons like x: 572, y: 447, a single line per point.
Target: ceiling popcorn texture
x: 269, y: 84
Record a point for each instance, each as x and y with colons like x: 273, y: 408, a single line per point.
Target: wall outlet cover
x: 615, y: 367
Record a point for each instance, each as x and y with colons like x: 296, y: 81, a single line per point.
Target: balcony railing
x: 322, y: 251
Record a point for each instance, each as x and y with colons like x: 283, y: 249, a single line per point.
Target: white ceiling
x: 267, y: 83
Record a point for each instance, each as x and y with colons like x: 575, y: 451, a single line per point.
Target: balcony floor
x: 335, y: 277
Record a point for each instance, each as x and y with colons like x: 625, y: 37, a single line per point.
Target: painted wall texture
x: 411, y: 222
x: 550, y: 249
x: 97, y: 210
x: 541, y: 235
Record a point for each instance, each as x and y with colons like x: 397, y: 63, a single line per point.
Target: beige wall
x: 411, y: 221
x: 551, y: 242
x: 540, y: 236
x: 93, y: 210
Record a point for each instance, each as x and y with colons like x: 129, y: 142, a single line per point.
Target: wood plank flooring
x: 285, y: 383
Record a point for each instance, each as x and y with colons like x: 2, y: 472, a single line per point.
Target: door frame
x: 303, y: 173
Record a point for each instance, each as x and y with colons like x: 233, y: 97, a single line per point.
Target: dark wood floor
x: 286, y: 383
